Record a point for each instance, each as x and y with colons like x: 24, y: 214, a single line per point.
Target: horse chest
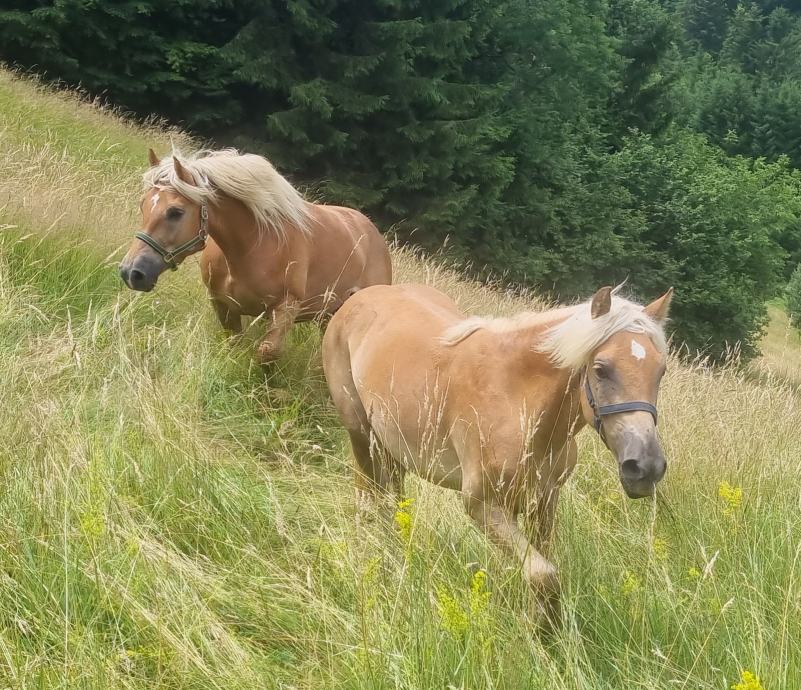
x: 250, y: 287
x: 243, y: 300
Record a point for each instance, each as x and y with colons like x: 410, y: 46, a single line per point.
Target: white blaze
x: 637, y: 350
x: 154, y: 201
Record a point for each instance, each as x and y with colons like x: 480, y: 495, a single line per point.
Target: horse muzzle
x: 639, y: 476
x: 142, y: 273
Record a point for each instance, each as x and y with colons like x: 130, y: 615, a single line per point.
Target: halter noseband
x: 169, y: 255
x: 601, y: 411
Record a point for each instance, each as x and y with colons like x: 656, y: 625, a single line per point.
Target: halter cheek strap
x: 197, y: 242
x: 601, y: 411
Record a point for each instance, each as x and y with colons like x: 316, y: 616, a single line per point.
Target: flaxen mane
x: 251, y: 179
x: 528, y: 319
x: 573, y: 339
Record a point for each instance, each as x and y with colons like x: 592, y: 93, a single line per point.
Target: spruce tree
x: 644, y: 33
x: 379, y: 102
x: 705, y: 21
x: 143, y: 55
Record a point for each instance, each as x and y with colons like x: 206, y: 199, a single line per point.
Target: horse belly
x: 441, y: 468
x: 419, y: 449
x: 241, y: 301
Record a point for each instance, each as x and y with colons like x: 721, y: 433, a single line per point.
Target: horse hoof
x: 546, y: 612
x: 267, y: 355
x: 544, y: 580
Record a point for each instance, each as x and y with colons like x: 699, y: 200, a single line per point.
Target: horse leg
x: 230, y: 320
x: 377, y: 474
x: 540, y: 520
x: 500, y: 524
x: 378, y: 480
x: 283, y: 316
x: 540, y: 517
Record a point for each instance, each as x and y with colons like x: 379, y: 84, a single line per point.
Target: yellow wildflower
x: 93, y: 523
x: 748, y: 681
x: 132, y: 545
x: 630, y: 584
x: 660, y: 549
x: 403, y: 520
x: 479, y: 595
x: 452, y: 616
x: 732, y: 496
x: 371, y: 569
x: 457, y: 618
x: 694, y: 573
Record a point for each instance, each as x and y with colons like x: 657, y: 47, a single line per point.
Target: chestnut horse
x: 265, y: 249
x: 490, y: 407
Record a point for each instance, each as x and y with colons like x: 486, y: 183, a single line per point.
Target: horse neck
x: 234, y: 229
x: 551, y: 386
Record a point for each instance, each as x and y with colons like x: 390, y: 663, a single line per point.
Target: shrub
x: 710, y: 225
x: 792, y: 297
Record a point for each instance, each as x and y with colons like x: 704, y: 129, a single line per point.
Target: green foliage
x: 393, y: 108
x: 747, y: 96
x: 792, y: 297
x: 149, y: 56
x: 705, y: 21
x: 711, y: 225
x: 644, y: 33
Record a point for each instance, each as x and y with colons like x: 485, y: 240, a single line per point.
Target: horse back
x: 347, y: 244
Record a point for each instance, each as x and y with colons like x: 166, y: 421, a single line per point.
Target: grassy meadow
x: 173, y: 517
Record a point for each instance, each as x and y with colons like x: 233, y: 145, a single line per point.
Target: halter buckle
x: 203, y: 232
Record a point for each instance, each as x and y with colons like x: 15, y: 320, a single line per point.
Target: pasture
x: 173, y: 517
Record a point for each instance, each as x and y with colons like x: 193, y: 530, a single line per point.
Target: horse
x: 266, y: 250
x: 490, y: 406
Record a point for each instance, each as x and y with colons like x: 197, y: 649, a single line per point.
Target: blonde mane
x: 251, y: 179
x: 570, y: 343
x: 575, y: 336
x: 527, y: 319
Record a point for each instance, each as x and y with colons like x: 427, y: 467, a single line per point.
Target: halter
x: 199, y: 241
x: 601, y: 411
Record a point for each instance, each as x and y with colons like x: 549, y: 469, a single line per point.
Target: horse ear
x: 658, y: 309
x: 153, y: 158
x: 182, y: 172
x: 601, y: 302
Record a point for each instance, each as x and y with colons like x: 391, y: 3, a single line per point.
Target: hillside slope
x: 173, y: 518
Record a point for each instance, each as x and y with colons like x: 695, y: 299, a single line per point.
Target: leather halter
x: 601, y: 411
x: 197, y: 242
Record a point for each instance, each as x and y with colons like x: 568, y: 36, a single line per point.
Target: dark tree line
x: 561, y: 143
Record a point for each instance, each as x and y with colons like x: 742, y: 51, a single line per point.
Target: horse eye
x: 174, y: 213
x: 601, y: 370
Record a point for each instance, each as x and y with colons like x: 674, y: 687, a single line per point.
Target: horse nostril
x: 631, y: 470
x: 136, y: 276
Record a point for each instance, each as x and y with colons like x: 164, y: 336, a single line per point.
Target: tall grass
x: 171, y: 516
